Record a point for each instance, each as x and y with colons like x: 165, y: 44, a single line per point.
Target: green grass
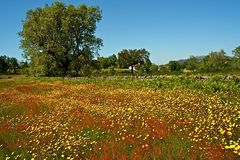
x: 9, y: 140
x: 212, y: 85
x: 94, y: 134
x: 6, y: 110
x: 174, y: 147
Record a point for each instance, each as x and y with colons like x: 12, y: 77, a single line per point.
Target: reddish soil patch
x: 217, y: 152
x: 109, y: 151
x: 140, y: 153
x: 24, y: 88
x: 80, y: 114
x: 8, y: 96
x: 6, y: 127
x: 158, y: 128
x: 88, y: 119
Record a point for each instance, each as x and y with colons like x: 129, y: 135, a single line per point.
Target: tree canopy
x: 215, y: 61
x: 174, y: 66
x: 8, y: 64
x: 132, y: 57
x: 236, y: 52
x: 192, y: 63
x: 60, y: 36
x: 106, y: 62
x: 3, y: 64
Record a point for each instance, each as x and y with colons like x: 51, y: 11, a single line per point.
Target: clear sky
x: 168, y: 29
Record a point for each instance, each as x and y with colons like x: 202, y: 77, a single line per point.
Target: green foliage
x: 236, y: 52
x: 174, y: 66
x: 212, y: 85
x: 64, y: 33
x: 215, y: 61
x: 94, y: 134
x: 42, y: 65
x: 154, y: 68
x: 8, y: 65
x: 164, y: 69
x: 130, y: 58
x: 8, y: 138
x: 23, y: 67
x: 107, y: 62
x: 3, y: 64
x: 145, y: 68
x: 192, y: 63
x: 11, y: 111
x: 128, y: 150
x: 178, y: 148
x: 12, y: 65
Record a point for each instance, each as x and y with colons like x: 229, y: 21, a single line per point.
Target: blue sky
x: 168, y: 29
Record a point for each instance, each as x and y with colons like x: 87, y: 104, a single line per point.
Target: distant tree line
x: 215, y: 61
x: 10, y: 65
x: 132, y: 59
x: 133, y: 62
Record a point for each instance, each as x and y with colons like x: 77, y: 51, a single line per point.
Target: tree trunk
x: 65, y: 64
x: 132, y: 70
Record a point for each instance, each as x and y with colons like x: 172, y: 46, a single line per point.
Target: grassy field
x: 170, y: 118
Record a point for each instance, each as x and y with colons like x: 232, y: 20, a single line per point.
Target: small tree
x: 130, y: 58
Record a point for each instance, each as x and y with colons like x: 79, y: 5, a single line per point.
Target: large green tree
x: 132, y: 57
x: 63, y: 34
